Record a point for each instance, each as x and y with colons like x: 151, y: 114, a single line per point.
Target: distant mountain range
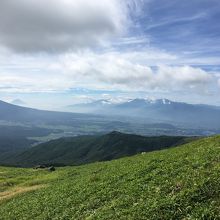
x: 87, y: 149
x: 160, y: 110
x: 104, y: 116
x: 14, y: 113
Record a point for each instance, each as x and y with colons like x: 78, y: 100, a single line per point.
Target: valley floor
x: 177, y: 183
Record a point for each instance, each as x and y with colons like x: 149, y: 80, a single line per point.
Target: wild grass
x: 177, y: 183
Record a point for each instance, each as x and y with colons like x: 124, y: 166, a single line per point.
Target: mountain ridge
x: 91, y: 148
x: 160, y: 110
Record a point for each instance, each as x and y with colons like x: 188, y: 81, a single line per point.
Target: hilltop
x: 86, y: 149
x: 176, y: 183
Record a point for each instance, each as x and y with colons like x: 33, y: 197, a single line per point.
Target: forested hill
x: 87, y: 149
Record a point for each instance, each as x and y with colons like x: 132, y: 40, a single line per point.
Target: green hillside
x: 176, y: 183
x: 87, y: 149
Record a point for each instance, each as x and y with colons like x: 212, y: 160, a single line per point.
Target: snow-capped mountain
x: 159, y: 110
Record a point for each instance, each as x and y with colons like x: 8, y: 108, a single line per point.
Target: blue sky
x: 184, y: 26
x: 59, y: 52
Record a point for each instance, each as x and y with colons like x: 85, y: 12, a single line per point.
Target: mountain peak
x: 18, y: 102
x: 150, y: 101
x: 164, y: 101
x: 113, y: 133
x: 103, y: 102
x: 137, y: 101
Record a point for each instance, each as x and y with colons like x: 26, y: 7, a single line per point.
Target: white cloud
x: 219, y: 82
x: 125, y: 71
x: 60, y: 25
x: 183, y: 77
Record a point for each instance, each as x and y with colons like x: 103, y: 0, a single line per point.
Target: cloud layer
x: 125, y: 71
x: 60, y: 25
x: 110, y: 70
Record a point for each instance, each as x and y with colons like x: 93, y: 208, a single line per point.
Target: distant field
x: 177, y: 183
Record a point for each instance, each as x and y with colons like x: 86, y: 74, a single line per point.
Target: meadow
x: 176, y: 183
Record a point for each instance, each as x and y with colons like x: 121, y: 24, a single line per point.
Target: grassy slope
x: 88, y: 149
x: 177, y: 183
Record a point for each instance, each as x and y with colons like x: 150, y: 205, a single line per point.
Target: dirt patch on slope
x: 18, y: 190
